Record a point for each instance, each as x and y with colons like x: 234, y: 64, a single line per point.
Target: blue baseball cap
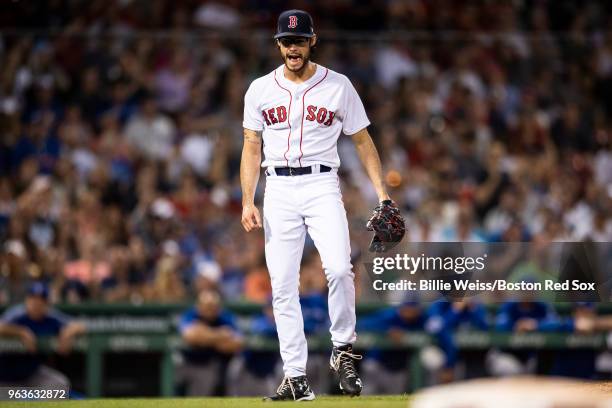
x: 294, y: 23
x: 38, y: 289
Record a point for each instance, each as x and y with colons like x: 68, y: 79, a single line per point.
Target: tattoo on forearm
x: 252, y: 139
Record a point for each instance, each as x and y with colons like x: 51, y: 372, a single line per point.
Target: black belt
x: 299, y: 171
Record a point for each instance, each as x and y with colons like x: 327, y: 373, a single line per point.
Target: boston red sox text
x: 477, y: 285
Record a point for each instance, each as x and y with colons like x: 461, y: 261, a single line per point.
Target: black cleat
x: 342, y: 363
x: 293, y: 389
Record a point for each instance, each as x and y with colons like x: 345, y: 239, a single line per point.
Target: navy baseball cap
x: 38, y: 289
x: 294, y: 23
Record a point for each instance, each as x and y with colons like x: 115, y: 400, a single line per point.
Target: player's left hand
x: 388, y: 226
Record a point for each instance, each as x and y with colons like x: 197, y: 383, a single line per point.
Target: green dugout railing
x: 96, y: 344
x: 247, y: 308
x: 239, y: 307
x: 159, y: 309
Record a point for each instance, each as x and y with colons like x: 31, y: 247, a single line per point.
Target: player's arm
x: 249, y: 176
x: 603, y: 323
x: 67, y: 335
x: 593, y: 323
x: 24, y: 334
x: 371, y: 161
x: 230, y: 343
x: 201, y: 335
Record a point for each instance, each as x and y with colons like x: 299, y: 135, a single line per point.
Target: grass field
x: 394, y: 401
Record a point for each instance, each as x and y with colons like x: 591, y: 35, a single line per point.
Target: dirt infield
x: 517, y: 392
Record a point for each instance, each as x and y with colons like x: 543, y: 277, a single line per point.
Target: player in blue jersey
x: 212, y: 337
x: 28, y: 322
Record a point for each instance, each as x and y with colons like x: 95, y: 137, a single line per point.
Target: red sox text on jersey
x: 279, y: 114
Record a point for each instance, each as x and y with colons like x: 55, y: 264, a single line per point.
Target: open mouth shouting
x: 294, y: 60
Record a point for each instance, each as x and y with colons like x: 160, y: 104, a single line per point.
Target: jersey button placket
x: 297, y: 112
x: 300, y: 185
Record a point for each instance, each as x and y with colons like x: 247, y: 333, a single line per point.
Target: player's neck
x: 302, y: 75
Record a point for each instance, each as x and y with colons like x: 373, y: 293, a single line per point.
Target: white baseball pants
x: 294, y: 205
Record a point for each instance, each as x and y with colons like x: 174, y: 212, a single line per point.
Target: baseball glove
x: 388, y: 226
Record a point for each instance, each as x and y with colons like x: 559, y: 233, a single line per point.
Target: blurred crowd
x: 120, y: 145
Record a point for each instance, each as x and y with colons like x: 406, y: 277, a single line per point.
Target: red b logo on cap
x: 292, y: 22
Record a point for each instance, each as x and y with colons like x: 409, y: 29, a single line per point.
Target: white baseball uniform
x: 301, y: 124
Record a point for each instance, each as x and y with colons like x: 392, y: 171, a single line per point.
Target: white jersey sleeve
x: 355, y: 117
x: 252, y: 116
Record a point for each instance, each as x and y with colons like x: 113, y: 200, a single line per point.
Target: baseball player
x: 28, y: 321
x: 299, y: 110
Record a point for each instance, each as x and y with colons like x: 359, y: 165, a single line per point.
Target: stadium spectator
x: 535, y: 269
x: 257, y: 286
x: 29, y: 322
x: 150, y: 132
x: 173, y: 83
x: 211, y: 337
x: 118, y: 286
x: 92, y: 267
x: 167, y: 286
x: 15, y: 278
